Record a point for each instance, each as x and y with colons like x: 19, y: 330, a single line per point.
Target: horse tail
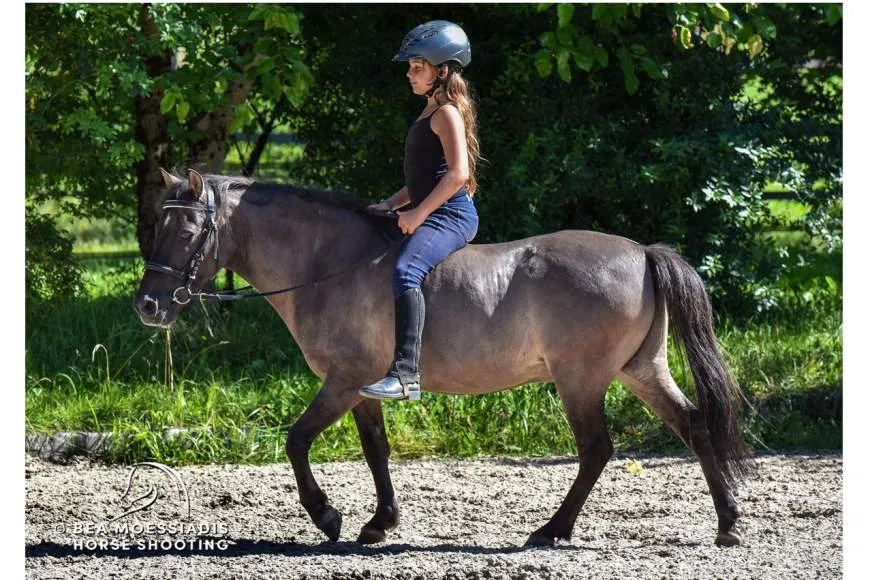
x: 719, y: 398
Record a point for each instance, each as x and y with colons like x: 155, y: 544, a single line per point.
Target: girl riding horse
x: 441, y: 153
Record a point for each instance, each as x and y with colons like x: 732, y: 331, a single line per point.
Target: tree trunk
x: 209, y: 153
x: 260, y: 146
x: 150, y: 130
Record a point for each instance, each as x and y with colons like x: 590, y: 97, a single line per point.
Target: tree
x: 657, y: 122
x: 116, y: 91
x: 631, y: 119
x: 783, y: 121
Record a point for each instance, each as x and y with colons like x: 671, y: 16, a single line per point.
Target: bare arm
x: 394, y: 202
x: 399, y: 199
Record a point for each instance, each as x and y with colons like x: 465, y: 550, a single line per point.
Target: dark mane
x: 337, y: 199
x: 261, y: 192
x: 220, y: 183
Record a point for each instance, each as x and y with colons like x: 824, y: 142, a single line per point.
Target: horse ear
x: 197, y: 185
x: 169, y: 179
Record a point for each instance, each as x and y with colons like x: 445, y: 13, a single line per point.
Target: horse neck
x: 281, y: 239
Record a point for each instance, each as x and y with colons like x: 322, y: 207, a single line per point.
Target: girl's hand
x: 410, y: 220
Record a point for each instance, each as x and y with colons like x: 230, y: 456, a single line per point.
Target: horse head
x: 185, y: 251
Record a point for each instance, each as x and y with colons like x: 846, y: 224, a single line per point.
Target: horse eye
x: 186, y: 235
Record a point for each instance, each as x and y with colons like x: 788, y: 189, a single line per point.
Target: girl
x: 441, y: 154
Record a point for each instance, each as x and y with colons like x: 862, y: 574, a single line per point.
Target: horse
x: 574, y: 308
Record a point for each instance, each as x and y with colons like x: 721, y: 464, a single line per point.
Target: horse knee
x: 296, y: 445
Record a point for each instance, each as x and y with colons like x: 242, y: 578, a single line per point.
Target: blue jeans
x: 447, y: 229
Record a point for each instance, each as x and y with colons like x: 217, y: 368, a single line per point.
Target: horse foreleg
x: 376, y: 448
x: 584, y: 407
x: 328, y: 406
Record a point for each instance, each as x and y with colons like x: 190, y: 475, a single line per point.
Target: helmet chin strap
x: 439, y: 82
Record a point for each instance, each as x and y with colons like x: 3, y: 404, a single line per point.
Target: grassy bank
x: 237, y: 381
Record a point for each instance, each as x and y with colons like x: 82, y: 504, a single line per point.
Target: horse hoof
x: 329, y: 522
x: 371, y: 535
x: 728, y: 539
x: 539, y: 539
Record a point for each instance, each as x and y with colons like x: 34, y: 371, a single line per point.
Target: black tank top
x: 424, y: 161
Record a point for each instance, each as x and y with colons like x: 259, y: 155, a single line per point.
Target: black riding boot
x: 403, y: 377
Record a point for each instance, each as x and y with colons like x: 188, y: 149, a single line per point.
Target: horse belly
x: 538, y: 309
x: 475, y: 345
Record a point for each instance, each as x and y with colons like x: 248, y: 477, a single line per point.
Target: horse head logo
x: 147, y: 499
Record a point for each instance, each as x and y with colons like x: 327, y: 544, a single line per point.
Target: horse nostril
x: 149, y: 306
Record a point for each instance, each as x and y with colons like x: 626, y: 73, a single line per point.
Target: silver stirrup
x: 391, y: 388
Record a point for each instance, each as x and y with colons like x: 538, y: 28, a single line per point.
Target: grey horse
x: 575, y: 308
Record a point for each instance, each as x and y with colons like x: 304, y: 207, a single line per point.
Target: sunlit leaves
x: 626, y: 63
x: 719, y: 11
x: 685, y: 36
x: 565, y: 12
x: 548, y: 40
x: 600, y: 56
x: 714, y: 40
x: 543, y: 63
x: 765, y: 27
x: 266, y: 65
x: 182, y: 110
x: 565, y: 45
x: 652, y: 69
x: 167, y: 102
x: 755, y: 45
x: 584, y: 55
x: 89, y: 69
x: 562, y: 65
x: 721, y: 28
x: 833, y: 13
x: 276, y: 16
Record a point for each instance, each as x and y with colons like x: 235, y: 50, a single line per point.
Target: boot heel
x: 414, y: 395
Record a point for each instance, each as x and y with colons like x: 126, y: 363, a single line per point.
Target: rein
x: 229, y: 296
x: 188, y: 275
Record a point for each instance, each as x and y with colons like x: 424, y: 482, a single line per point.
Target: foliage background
x: 714, y: 128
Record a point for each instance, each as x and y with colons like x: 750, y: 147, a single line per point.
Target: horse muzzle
x: 152, y: 313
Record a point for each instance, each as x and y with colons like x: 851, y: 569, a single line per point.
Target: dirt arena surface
x: 649, y: 517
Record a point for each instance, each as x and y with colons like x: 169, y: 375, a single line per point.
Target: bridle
x: 188, y: 275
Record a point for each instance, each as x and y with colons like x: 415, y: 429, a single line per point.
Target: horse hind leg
x: 651, y: 381
x: 584, y: 406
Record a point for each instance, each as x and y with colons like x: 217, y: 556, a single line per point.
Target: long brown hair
x: 455, y: 90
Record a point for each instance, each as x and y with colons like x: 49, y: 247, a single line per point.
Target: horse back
x: 532, y: 302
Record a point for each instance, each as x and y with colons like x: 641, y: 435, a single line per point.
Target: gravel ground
x: 649, y: 517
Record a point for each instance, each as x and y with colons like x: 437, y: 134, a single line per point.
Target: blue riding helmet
x: 438, y: 42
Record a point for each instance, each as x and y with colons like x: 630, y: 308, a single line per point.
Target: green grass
x: 235, y: 379
x: 238, y: 382
x: 785, y: 211
x: 276, y: 163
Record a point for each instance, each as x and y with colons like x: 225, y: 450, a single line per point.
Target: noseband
x: 188, y: 275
